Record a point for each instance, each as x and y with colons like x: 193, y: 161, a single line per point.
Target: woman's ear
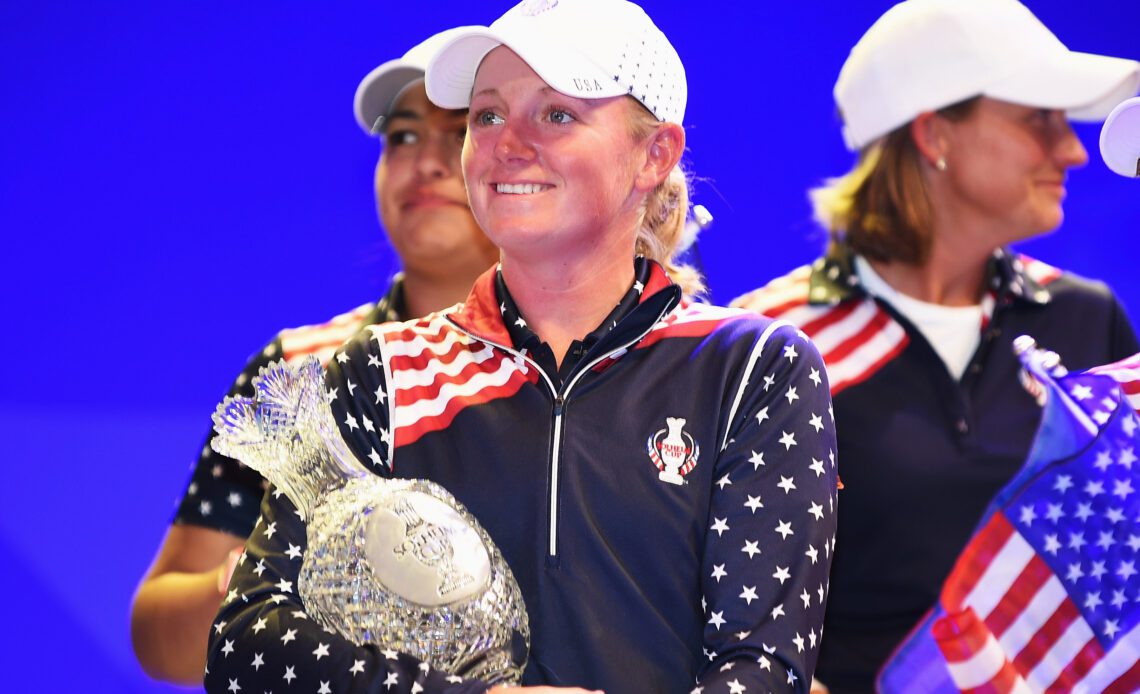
x: 928, y: 130
x: 664, y: 148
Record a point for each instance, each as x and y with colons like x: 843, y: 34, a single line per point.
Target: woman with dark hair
x: 959, y: 112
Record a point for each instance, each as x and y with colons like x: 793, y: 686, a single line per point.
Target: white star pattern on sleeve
x: 772, y: 510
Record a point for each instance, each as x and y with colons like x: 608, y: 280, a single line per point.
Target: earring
x: 940, y: 163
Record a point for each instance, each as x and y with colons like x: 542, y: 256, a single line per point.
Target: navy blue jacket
x: 633, y: 583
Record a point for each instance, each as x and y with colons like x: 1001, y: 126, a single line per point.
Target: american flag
x: 1127, y: 373
x: 1046, y: 595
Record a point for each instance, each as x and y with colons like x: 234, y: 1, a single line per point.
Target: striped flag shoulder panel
x: 433, y: 371
x: 856, y: 337
x: 1040, y: 272
x: 321, y: 340
x: 433, y: 342
x: 690, y: 319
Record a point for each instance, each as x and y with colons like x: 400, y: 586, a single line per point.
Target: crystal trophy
x: 394, y: 562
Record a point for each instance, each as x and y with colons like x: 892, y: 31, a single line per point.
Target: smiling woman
x: 561, y: 213
x: 659, y: 474
x: 537, y: 179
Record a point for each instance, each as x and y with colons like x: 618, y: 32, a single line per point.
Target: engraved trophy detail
x: 394, y: 562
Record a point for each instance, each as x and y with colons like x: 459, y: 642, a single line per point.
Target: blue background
x: 178, y: 181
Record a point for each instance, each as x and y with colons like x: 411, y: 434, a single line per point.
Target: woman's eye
x: 401, y: 137
x: 488, y: 118
x: 561, y: 117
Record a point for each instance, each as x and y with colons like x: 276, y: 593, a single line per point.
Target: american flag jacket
x: 223, y: 494
x: 668, y: 509
x: 924, y: 453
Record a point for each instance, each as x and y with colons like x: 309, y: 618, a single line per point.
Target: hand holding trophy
x: 393, y: 562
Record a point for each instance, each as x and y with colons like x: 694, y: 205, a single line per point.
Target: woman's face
x: 1007, y: 165
x: 419, y: 189
x: 548, y: 173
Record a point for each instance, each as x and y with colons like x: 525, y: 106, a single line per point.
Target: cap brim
x: 379, y: 88
x: 1120, y: 139
x: 451, y: 74
x: 1084, y: 85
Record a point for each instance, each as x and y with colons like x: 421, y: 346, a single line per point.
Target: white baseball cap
x: 588, y: 49
x: 923, y: 55
x: 1120, y: 139
x: 381, y: 88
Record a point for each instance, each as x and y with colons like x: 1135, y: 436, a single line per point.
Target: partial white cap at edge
x: 924, y: 55
x: 1120, y: 139
x: 380, y: 88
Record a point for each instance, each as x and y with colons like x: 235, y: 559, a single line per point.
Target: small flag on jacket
x: 1046, y: 595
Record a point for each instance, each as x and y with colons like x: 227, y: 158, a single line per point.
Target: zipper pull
x: 558, y: 403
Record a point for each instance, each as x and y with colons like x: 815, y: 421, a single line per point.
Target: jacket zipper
x: 560, y: 397
x: 555, y: 458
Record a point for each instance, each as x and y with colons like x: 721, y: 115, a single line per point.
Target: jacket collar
x: 833, y: 278
x: 481, y: 314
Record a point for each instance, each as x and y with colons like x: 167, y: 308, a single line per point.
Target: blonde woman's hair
x: 882, y: 209
x: 663, y: 215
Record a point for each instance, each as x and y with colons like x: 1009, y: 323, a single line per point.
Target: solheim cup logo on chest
x: 673, y: 451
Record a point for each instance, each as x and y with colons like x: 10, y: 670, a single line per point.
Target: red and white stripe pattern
x: 1039, y: 272
x: 1127, y: 374
x: 322, y: 341
x: 856, y: 338
x: 688, y: 319
x: 1013, y: 628
x: 434, y: 371
x: 691, y: 319
x: 974, y: 657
